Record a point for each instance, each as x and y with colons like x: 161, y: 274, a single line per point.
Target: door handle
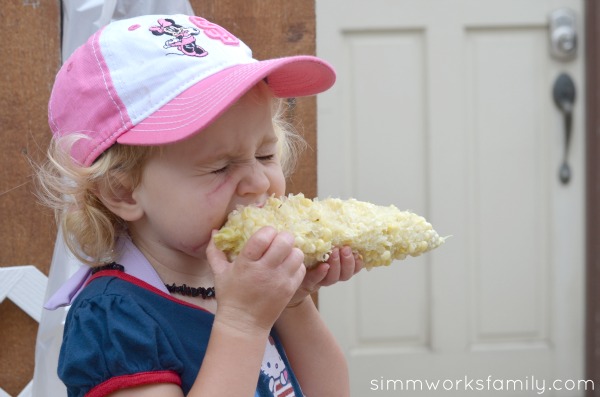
x: 564, y: 98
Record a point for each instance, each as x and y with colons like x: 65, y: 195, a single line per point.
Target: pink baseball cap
x: 156, y: 79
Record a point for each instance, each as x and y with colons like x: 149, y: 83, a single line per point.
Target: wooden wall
x: 30, y: 58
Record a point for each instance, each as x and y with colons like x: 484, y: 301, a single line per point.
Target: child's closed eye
x: 265, y: 158
x: 220, y: 170
x: 268, y: 157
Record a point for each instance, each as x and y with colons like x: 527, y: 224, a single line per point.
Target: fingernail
x: 347, y: 251
x: 335, y: 254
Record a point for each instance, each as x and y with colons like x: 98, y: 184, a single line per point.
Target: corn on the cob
x: 379, y: 234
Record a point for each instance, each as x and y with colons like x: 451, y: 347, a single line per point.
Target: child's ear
x: 117, y: 196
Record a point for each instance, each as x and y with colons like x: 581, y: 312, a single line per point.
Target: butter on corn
x: 379, y: 234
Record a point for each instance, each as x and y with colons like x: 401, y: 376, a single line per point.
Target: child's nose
x: 254, y: 180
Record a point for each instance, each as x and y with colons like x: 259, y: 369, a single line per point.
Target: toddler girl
x: 162, y: 125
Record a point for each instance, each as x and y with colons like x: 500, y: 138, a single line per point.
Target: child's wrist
x: 240, y: 322
x: 298, y: 307
x: 298, y: 313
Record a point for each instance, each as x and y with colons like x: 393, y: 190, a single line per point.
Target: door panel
x: 509, y: 178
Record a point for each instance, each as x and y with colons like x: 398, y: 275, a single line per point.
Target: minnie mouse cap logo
x: 157, y: 79
x: 182, y: 38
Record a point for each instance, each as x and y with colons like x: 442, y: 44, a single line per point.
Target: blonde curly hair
x: 91, y: 230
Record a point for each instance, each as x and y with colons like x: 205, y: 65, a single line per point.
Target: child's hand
x: 254, y: 289
x: 341, y: 266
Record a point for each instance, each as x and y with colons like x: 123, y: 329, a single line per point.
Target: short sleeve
x: 110, y: 342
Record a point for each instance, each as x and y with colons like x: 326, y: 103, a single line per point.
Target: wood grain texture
x: 29, y: 62
x: 30, y: 58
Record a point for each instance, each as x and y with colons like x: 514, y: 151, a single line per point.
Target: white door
x: 444, y: 107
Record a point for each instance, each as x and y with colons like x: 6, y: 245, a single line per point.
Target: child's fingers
x: 348, y: 264
x: 334, y: 262
x: 295, y: 258
x: 310, y: 283
x: 360, y: 264
x: 315, y: 276
x: 258, y: 243
x: 344, y: 264
x: 296, y: 266
x: 214, y: 255
x: 282, y: 251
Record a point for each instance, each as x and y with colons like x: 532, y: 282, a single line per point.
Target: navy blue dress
x: 122, y: 332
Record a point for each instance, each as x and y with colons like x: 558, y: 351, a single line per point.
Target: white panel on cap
x: 149, y: 75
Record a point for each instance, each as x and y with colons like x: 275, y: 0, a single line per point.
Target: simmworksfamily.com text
x: 528, y: 383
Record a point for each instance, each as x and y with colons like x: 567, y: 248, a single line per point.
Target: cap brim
x: 199, y: 105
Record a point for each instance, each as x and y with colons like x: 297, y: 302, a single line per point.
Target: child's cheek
x: 218, y: 187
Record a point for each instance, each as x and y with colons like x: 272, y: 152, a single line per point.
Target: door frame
x: 592, y: 65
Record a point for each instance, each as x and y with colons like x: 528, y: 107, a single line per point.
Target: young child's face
x: 188, y: 188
